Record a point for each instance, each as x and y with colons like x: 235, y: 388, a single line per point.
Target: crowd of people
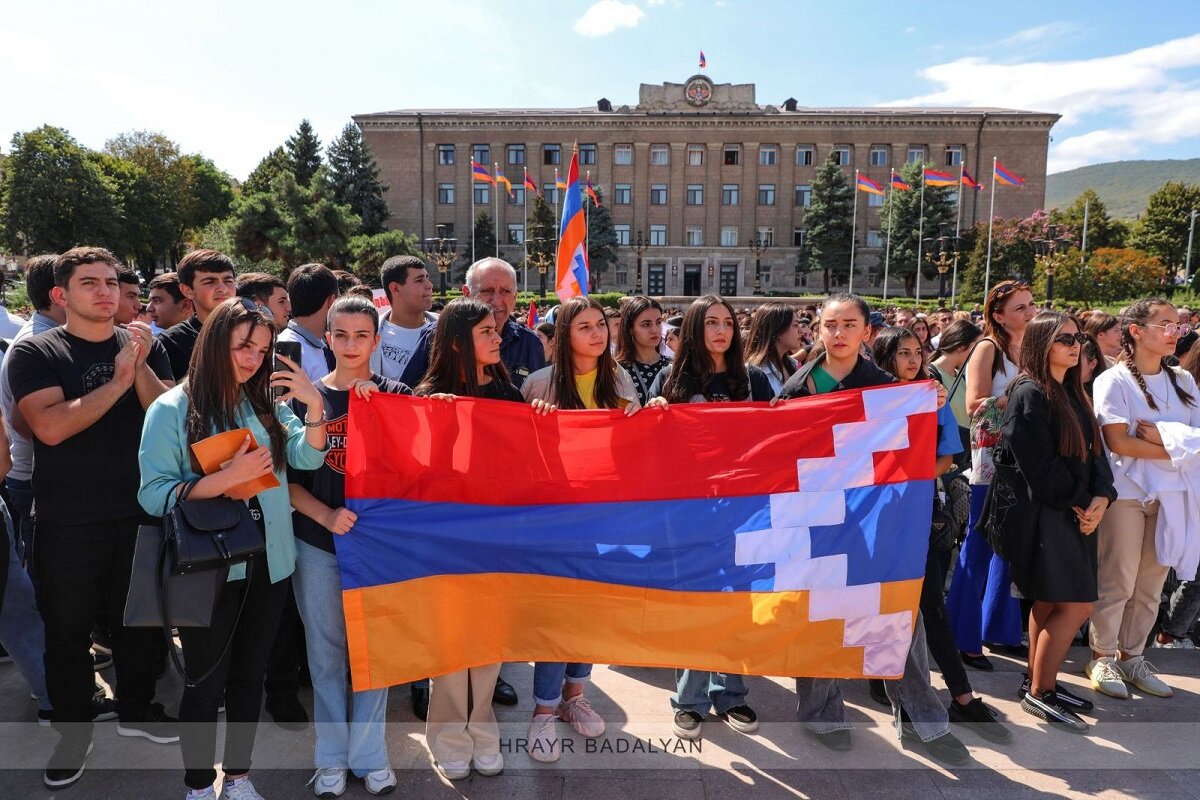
x: 1063, y: 435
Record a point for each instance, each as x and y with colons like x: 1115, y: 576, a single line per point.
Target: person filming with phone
x: 228, y: 387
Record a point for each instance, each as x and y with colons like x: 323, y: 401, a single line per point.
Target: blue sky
x: 233, y: 79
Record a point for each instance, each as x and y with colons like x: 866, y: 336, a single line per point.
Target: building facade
x: 698, y: 170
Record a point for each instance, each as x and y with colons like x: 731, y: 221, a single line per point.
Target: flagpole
x: 987, y: 270
x: 472, y: 189
x: 1087, y: 204
x: 496, y: 221
x: 557, y: 197
x: 587, y: 230
x: 853, y: 230
x: 957, y: 231
x: 525, y: 230
x: 920, y: 234
x: 887, y: 253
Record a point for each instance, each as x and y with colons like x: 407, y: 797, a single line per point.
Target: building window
x: 879, y: 155
x: 874, y: 200
x: 587, y: 154
x: 517, y: 198
x: 695, y: 155
x: 729, y: 194
x: 694, y: 236
x: 695, y: 194
x: 729, y: 280
x: 446, y: 193
x: 954, y: 155
x: 798, y: 235
x: 516, y: 233
x: 550, y: 192
x: 841, y: 155
x: 622, y: 234
x: 483, y: 194
x: 803, y: 196
x: 622, y: 194
x: 444, y: 230
x: 516, y: 154
x: 805, y: 155
x: 766, y: 194
x: 658, y: 235
x: 623, y: 155
x: 446, y: 155
x: 768, y: 155
x: 874, y: 239
x: 729, y: 236
x: 551, y: 154
x: 733, y: 154
x: 916, y: 154
x: 656, y: 279
x: 766, y: 275
x: 622, y: 277
x: 767, y: 236
x: 482, y: 154
x: 658, y: 194
x: 659, y: 155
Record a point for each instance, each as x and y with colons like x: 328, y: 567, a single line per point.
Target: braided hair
x: 1140, y: 314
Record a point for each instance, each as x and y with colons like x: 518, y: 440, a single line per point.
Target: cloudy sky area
x: 232, y: 78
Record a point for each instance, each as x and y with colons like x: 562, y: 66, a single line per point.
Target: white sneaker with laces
x: 1175, y: 644
x: 381, y: 781
x: 544, y: 744
x: 489, y: 765
x: 1107, y: 678
x: 454, y: 770
x: 240, y: 789
x: 1140, y: 673
x: 328, y: 782
x: 583, y: 718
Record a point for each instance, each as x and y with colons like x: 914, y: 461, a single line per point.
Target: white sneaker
x: 381, y: 781
x: 328, y: 782
x: 583, y: 718
x: 544, y: 744
x: 205, y: 794
x: 1107, y: 678
x: 489, y: 765
x: 454, y: 770
x: 1140, y: 673
x: 240, y: 789
x: 1175, y: 644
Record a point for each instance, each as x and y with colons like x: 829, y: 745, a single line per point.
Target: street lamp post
x: 1045, y: 249
x: 940, y: 252
x: 758, y: 246
x: 640, y: 246
x: 442, y: 251
x: 540, y: 248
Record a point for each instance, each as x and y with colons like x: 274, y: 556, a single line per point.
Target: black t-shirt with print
x: 328, y: 482
x: 644, y: 374
x: 93, y: 475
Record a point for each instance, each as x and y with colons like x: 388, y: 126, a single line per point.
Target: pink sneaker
x: 583, y: 718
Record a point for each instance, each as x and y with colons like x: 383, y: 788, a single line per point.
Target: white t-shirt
x: 1118, y: 399
x: 312, y: 358
x: 396, y: 347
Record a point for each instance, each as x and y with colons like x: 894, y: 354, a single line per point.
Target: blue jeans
x: 980, y: 604
x: 21, y: 495
x: 21, y: 630
x: 548, y: 677
x: 699, y: 690
x: 350, y: 733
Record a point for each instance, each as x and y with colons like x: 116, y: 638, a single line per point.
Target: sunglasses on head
x: 1009, y: 287
x: 250, y: 305
x: 1068, y: 339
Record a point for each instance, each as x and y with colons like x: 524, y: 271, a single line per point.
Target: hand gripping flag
x: 571, y: 274
x: 1004, y: 177
x: 789, y: 541
x: 935, y: 178
x: 869, y: 186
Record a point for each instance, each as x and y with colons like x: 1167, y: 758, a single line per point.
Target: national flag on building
x: 703, y: 60
x: 970, y: 182
x: 501, y: 179
x: 592, y: 192
x: 900, y: 183
x: 571, y: 260
x: 480, y: 173
x: 869, y: 186
x: 797, y: 555
x: 530, y: 185
x: 1005, y: 177
x: 935, y: 178
x: 559, y: 183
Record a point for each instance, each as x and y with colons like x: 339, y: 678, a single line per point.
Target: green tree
x: 354, y: 179
x: 1013, y: 251
x: 137, y: 222
x: 1163, y: 230
x: 54, y: 194
x: 902, y: 212
x: 209, y: 197
x: 368, y: 252
x: 485, y: 237
x: 293, y: 224
x: 828, y: 219
x: 543, y: 236
x: 271, y: 167
x: 1102, y: 231
x: 304, y: 153
x: 602, y: 239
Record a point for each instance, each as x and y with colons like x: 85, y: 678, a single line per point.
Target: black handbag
x: 211, y: 533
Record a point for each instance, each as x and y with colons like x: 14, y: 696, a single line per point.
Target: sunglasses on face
x: 1068, y: 339
x: 1173, y: 329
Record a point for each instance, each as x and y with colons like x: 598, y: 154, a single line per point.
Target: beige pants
x: 1130, y: 579
x: 459, y: 730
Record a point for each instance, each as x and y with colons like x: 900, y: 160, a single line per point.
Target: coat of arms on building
x: 698, y: 91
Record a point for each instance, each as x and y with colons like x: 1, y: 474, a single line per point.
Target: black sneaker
x: 1050, y: 709
x: 945, y: 749
x: 504, y: 694
x: 102, y: 711
x: 976, y: 716
x: 1068, y: 699
x: 741, y: 718
x: 687, y: 724
x: 67, y: 762
x: 152, y: 724
x: 101, y: 660
x: 979, y: 662
x: 287, y: 712
x: 838, y: 740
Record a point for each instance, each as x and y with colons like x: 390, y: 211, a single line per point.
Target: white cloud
x: 1038, y: 33
x: 606, y: 16
x: 1138, y: 91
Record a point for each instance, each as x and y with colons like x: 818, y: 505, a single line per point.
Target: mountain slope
x: 1124, y: 186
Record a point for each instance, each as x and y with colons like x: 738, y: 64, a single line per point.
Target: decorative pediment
x: 698, y: 93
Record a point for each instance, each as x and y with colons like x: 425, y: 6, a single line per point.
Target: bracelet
x: 316, y: 424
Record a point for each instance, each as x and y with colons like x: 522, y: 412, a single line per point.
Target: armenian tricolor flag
x: 501, y: 179
x: 869, y: 186
x: 530, y: 185
x: 703, y: 60
x: 935, y: 178
x: 571, y: 273
x: 765, y: 554
x: 559, y: 183
x: 1004, y: 177
x: 532, y: 319
x: 970, y: 182
x: 480, y: 173
x: 900, y: 183
x: 592, y: 192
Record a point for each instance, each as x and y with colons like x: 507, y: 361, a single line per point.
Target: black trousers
x: 288, y: 658
x: 239, y: 676
x: 938, y: 635
x: 83, y: 573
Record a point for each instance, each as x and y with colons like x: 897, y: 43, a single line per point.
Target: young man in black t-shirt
x: 82, y: 389
x: 206, y: 277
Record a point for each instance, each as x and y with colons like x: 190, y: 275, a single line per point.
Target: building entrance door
x: 691, y: 280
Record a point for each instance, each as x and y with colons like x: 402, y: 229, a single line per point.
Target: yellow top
x: 585, y: 384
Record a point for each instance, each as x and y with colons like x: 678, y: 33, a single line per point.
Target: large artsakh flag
x: 734, y: 537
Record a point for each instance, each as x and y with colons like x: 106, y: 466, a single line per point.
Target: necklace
x: 1164, y: 403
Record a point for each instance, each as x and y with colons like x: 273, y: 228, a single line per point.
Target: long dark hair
x: 562, y: 376
x: 1191, y: 360
x: 768, y: 323
x: 693, y: 365
x: 888, y: 341
x: 1035, y: 362
x: 452, y: 366
x: 996, y: 300
x: 962, y: 333
x: 1139, y: 314
x: 637, y: 305
x: 212, y: 388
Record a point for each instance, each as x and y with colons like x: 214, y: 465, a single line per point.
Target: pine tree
x: 304, y: 153
x: 271, y: 167
x: 828, y: 219
x: 901, y: 213
x: 354, y: 178
x: 485, y: 237
x: 1101, y: 230
x: 602, y: 239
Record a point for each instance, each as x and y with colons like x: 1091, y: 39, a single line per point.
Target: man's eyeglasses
x: 1172, y: 328
x: 1068, y: 339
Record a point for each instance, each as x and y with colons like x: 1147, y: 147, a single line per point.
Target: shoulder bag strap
x: 164, y: 606
x: 962, y: 371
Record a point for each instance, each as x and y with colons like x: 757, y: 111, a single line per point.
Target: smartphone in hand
x: 290, y: 350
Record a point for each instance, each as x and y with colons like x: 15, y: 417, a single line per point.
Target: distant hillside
x: 1124, y: 186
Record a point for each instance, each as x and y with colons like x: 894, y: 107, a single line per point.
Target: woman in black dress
x: 1050, y: 429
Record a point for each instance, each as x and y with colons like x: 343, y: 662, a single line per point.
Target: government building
x: 698, y: 170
